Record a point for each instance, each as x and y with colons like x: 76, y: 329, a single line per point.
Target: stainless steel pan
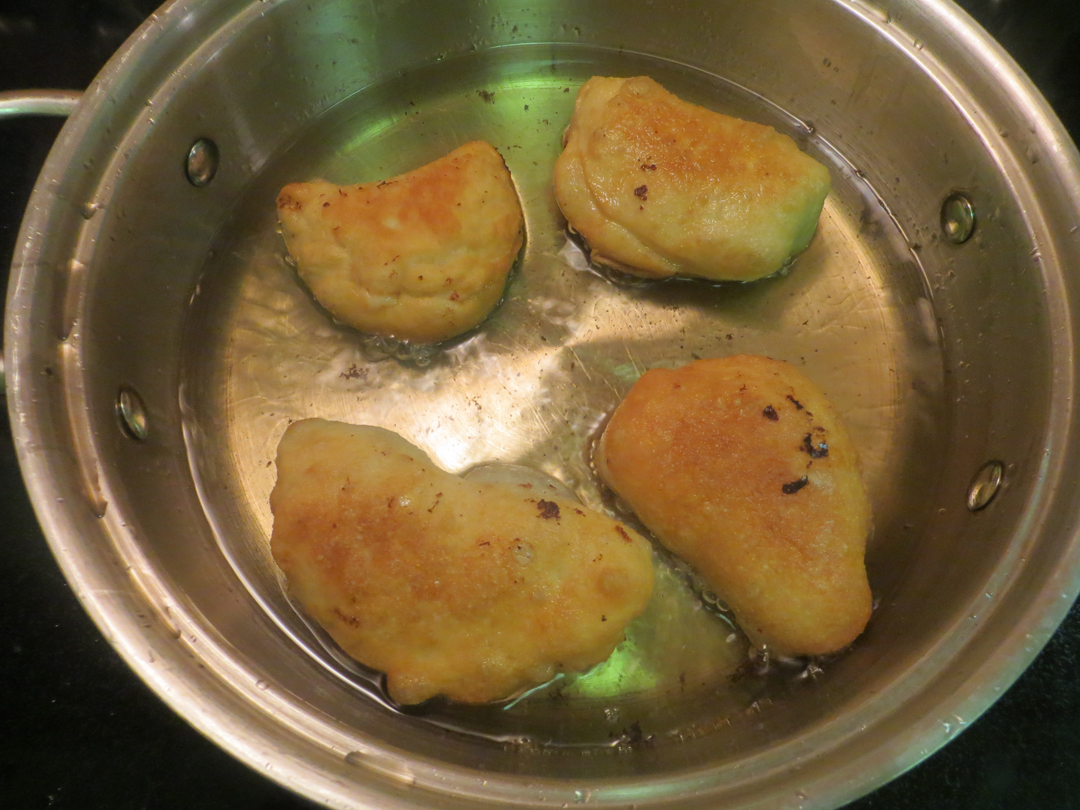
x: 157, y: 345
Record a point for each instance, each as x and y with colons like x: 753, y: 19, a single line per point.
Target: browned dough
x: 451, y: 587
x: 740, y: 466
x: 420, y: 257
x: 660, y: 187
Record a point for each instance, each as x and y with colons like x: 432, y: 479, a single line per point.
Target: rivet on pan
x: 985, y: 485
x: 132, y: 413
x: 202, y: 162
x: 711, y: 598
x: 957, y: 218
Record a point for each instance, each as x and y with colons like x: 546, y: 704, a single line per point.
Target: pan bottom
x: 534, y: 384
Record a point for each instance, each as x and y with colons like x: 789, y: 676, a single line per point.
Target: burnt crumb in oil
x: 631, y: 736
x: 757, y: 664
x: 354, y: 373
x: 815, y: 450
x: 635, y: 736
x: 795, y: 486
x: 771, y: 414
x: 486, y: 95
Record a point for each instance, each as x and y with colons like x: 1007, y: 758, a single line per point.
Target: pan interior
x: 535, y: 383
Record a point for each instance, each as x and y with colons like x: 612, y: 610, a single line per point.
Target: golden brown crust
x: 419, y: 257
x: 740, y: 466
x: 661, y: 187
x: 467, y: 589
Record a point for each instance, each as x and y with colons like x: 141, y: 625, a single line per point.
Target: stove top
x: 81, y: 731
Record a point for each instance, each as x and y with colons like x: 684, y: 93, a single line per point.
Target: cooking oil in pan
x: 535, y: 383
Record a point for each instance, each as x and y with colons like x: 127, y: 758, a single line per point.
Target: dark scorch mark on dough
x: 548, y: 509
x: 770, y: 413
x: 352, y: 621
x: 623, y: 533
x: 819, y: 450
x: 798, y: 405
x: 795, y: 486
x: 642, y: 193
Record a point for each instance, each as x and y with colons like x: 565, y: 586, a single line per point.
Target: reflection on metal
x: 957, y: 218
x: 132, y: 413
x: 202, y: 162
x: 985, y: 485
x: 20, y: 103
x: 17, y: 103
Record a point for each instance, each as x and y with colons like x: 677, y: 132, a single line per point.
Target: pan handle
x: 18, y: 103
x: 15, y: 103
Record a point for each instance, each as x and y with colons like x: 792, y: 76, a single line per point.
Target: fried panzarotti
x: 741, y: 467
x: 473, y: 590
x: 420, y: 257
x: 659, y: 187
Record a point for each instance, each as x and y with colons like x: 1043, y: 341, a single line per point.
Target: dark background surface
x: 79, y: 730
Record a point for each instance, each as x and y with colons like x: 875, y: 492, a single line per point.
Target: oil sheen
x: 534, y: 384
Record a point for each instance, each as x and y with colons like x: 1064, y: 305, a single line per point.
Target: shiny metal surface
x: 939, y: 356
x: 957, y: 218
x: 536, y: 383
x: 132, y: 413
x: 19, y: 103
x: 202, y: 162
x: 38, y: 102
x: 985, y: 485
